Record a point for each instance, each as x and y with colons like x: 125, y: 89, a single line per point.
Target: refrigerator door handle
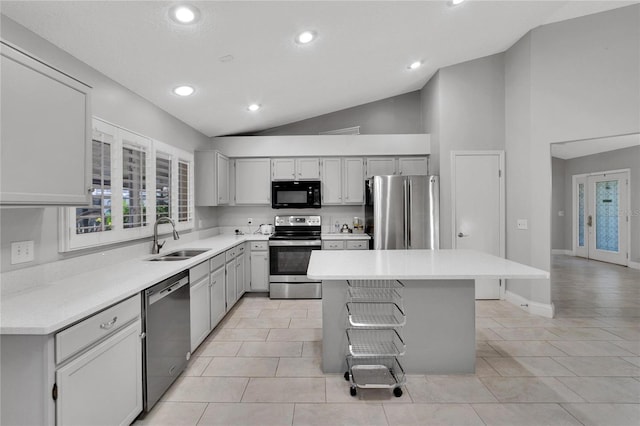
x: 407, y: 213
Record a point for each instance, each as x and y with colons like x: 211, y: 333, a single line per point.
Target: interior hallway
x: 261, y: 366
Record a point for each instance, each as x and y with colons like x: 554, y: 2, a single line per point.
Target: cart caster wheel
x: 397, y: 392
x: 353, y: 391
x: 346, y: 376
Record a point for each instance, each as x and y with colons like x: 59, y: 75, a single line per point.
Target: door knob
x: 460, y: 235
x: 589, y: 220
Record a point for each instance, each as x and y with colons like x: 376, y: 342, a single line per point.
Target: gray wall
x: 396, y: 115
x: 571, y: 80
x: 627, y: 158
x: 463, y: 109
x: 559, y: 204
x: 111, y: 102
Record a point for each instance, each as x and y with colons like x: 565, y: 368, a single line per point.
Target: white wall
x: 560, y: 200
x: 111, y: 102
x: 397, y: 114
x: 463, y: 110
x: 570, y: 80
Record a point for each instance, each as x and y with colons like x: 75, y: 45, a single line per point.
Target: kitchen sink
x: 178, y: 255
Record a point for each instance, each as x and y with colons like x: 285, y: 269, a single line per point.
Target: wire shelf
x: 362, y: 294
x: 375, y: 372
x: 375, y: 342
x: 375, y: 283
x: 375, y: 314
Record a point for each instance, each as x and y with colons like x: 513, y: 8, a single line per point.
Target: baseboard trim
x: 536, y: 308
x: 562, y: 251
x: 634, y: 265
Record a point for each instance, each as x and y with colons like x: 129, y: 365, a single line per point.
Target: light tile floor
x: 261, y: 366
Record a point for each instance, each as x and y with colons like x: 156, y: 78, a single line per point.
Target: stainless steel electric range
x: 290, y: 247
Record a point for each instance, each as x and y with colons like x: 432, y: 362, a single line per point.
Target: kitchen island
x: 438, y: 301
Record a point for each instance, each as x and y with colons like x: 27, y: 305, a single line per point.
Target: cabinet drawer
x: 358, y: 245
x: 259, y: 245
x: 198, y: 271
x: 216, y: 262
x: 240, y: 249
x: 333, y: 245
x: 96, y: 327
x: 231, y: 253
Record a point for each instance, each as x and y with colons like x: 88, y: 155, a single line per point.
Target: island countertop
x: 415, y: 265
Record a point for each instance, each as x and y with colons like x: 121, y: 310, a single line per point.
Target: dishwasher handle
x: 154, y: 297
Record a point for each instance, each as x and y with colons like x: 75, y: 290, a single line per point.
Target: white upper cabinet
x: 307, y: 168
x: 211, y: 178
x: 331, y: 181
x: 45, y: 132
x: 295, y: 169
x: 353, y: 181
x: 342, y: 181
x: 253, y: 181
x: 381, y: 166
x: 412, y: 166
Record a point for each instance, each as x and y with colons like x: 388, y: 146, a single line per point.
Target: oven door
x: 289, y: 260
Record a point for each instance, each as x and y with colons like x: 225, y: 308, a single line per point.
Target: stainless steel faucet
x: 158, y: 245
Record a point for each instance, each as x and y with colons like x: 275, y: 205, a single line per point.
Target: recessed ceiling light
x: 415, y: 65
x: 184, y: 90
x: 456, y: 2
x: 305, y: 37
x: 253, y: 107
x: 184, y: 14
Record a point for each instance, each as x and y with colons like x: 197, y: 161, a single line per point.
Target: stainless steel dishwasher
x: 167, y: 336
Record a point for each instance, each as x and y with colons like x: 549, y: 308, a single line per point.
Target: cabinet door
x: 260, y: 271
x: 240, y: 278
x: 331, y: 181
x: 381, y: 166
x: 217, y: 302
x: 104, y: 385
x: 230, y: 281
x: 200, y: 311
x: 283, y: 169
x: 45, y: 155
x: 353, y: 181
x: 413, y: 166
x: 205, y: 178
x: 308, y: 168
x: 253, y: 177
x: 332, y: 245
x: 222, y: 173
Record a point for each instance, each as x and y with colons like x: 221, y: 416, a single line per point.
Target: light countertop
x: 345, y: 236
x: 415, y: 265
x: 46, y: 308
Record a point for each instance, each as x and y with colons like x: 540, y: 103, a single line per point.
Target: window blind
x: 185, y: 212
x: 163, y: 187
x: 97, y: 218
x: 134, y: 188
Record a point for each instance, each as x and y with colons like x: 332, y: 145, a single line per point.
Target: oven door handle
x: 291, y: 243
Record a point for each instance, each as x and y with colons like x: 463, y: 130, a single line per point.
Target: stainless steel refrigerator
x: 403, y: 212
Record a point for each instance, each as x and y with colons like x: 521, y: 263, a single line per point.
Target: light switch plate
x: 21, y: 252
x: 523, y: 224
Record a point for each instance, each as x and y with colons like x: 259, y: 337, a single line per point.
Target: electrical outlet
x: 249, y: 221
x: 21, y: 252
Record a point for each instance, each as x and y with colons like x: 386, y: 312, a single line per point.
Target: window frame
x: 70, y: 241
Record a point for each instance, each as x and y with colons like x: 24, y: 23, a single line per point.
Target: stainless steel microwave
x: 289, y: 194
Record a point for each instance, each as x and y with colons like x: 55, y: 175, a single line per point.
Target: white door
x: 478, y: 209
x: 308, y: 168
x: 601, y: 219
x: 200, y: 311
x: 253, y: 181
x: 331, y: 181
x: 413, y: 166
x: 283, y: 169
x: 216, y: 293
x: 381, y: 166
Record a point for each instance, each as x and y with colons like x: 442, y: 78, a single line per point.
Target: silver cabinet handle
x: 461, y: 235
x: 108, y: 325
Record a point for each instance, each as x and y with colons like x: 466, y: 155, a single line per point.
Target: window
x: 185, y: 200
x: 97, y: 217
x: 163, y: 187
x: 147, y: 178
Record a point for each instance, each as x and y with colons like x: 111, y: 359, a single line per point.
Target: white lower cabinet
x: 217, y: 300
x: 200, y: 312
x: 260, y: 266
x: 353, y: 243
x: 231, y: 295
x: 103, y: 386
x: 240, y: 275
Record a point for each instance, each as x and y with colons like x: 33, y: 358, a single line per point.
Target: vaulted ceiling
x: 242, y: 52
